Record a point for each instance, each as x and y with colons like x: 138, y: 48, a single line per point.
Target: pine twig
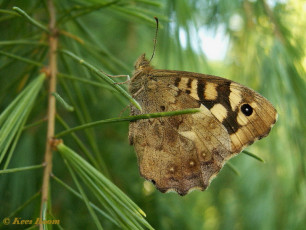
x: 53, y: 40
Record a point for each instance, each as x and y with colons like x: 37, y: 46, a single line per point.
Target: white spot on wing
x: 189, y: 134
x: 235, y: 96
x: 194, y: 90
x: 210, y: 92
x: 219, y: 111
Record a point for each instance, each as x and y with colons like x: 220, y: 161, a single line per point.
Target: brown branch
x: 51, y: 107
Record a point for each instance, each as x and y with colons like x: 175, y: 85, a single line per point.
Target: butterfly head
x: 141, y: 63
x: 142, y: 69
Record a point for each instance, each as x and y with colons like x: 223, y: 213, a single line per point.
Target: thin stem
x: 36, y: 123
x: 31, y: 20
x: 129, y: 118
x: 22, y: 42
x: 26, y: 60
x: 21, y: 169
x: 53, y: 40
x: 106, y: 79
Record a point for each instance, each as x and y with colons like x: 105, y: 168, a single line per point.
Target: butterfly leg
x: 115, y: 76
x: 124, y: 82
x: 138, y: 92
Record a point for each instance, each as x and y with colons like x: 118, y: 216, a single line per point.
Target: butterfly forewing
x: 227, y: 101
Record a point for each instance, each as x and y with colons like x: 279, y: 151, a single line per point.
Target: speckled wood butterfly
x: 184, y: 152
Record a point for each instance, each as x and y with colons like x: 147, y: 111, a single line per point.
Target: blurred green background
x: 259, y: 43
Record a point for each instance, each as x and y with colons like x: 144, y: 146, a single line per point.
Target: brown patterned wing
x: 185, y: 152
x: 177, y: 153
x: 246, y: 115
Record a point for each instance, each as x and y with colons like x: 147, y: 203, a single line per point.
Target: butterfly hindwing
x: 182, y: 152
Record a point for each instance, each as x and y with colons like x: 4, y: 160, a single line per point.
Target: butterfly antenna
x: 155, y: 39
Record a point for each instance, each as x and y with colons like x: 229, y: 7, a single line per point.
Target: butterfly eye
x: 246, y: 109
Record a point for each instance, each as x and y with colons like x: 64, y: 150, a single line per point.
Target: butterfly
x: 185, y: 152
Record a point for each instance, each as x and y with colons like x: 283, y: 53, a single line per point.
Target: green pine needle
x: 129, y: 118
x: 105, y: 78
x: 123, y: 210
x: 254, y: 156
x: 62, y: 102
x: 13, y: 118
x: 30, y: 19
